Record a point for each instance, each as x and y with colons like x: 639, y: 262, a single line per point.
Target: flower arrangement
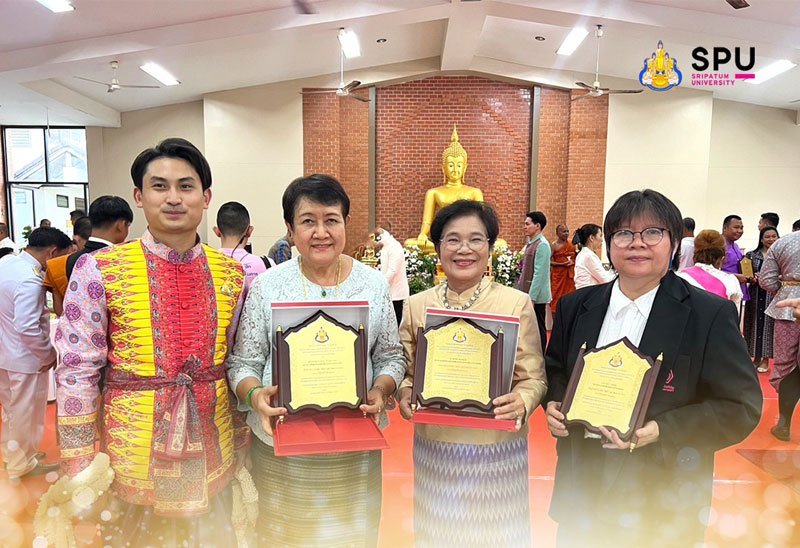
x: 506, y: 265
x: 420, y: 269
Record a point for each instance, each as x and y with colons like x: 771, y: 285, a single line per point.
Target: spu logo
x: 721, y: 56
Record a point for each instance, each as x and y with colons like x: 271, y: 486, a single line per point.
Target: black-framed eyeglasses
x: 650, y: 236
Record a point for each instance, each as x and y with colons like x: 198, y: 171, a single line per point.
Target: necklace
x: 324, y: 291
x: 467, y: 304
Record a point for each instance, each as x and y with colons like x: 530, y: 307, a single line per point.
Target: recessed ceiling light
x: 160, y: 73
x: 381, y: 40
x: 539, y: 38
x: 57, y: 6
x: 349, y: 42
x: 572, y: 41
x: 771, y: 71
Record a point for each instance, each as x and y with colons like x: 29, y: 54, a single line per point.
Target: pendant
x: 324, y: 293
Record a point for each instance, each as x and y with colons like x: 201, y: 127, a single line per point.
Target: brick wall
x: 588, y: 129
x: 336, y: 142
x: 414, y: 124
x: 551, y: 190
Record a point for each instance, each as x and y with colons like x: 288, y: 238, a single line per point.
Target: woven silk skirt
x: 471, y: 495
x: 319, y: 500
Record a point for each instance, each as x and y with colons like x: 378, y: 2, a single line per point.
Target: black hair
x: 82, y: 228
x: 537, y: 217
x: 320, y: 188
x: 174, y: 147
x: 465, y: 208
x: 582, y: 234
x: 772, y: 218
x: 233, y: 219
x: 44, y: 221
x: 47, y: 236
x: 107, y: 210
x: 688, y: 224
x: 5, y: 251
x: 761, y: 233
x: 643, y: 203
x: 727, y: 220
x: 796, y: 225
x: 76, y: 214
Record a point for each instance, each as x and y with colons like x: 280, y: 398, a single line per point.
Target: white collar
x: 619, y: 301
x: 100, y: 240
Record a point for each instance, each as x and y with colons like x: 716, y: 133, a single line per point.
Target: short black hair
x: 796, y: 225
x: 688, y: 224
x: 48, y: 236
x: 465, y: 208
x: 727, y: 220
x: 174, y: 147
x: 107, y: 210
x: 82, y: 228
x: 320, y: 188
x: 76, y: 214
x: 233, y: 219
x: 537, y: 217
x: 581, y: 235
x: 643, y: 203
x: 772, y: 218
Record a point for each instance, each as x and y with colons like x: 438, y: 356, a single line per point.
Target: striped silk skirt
x: 471, y: 495
x: 327, y: 500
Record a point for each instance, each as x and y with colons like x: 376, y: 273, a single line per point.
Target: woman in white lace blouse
x: 318, y: 500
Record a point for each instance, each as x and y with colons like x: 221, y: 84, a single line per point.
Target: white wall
x: 711, y: 157
x: 254, y: 143
x: 111, y: 151
x: 754, y: 166
x: 660, y: 140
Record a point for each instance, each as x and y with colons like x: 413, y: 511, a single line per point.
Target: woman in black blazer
x: 706, y: 396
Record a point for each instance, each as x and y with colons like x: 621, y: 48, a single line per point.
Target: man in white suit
x: 26, y: 354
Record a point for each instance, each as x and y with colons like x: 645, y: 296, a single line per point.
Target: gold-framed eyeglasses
x: 476, y: 243
x: 650, y: 236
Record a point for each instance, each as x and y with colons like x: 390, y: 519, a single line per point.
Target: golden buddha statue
x: 454, y: 166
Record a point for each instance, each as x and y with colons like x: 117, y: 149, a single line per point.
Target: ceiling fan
x: 344, y: 89
x: 595, y: 90
x: 738, y: 4
x: 114, y: 84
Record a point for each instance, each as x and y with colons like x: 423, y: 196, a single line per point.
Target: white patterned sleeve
x: 250, y: 355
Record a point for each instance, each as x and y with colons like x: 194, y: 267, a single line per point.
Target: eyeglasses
x: 650, y: 236
x: 476, y: 243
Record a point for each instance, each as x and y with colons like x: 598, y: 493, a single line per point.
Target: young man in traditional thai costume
x: 155, y: 316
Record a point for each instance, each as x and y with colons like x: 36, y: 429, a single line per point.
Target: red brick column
x: 588, y: 129
x: 336, y: 142
x: 551, y: 180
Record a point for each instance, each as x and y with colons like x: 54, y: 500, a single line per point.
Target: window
x: 45, y: 170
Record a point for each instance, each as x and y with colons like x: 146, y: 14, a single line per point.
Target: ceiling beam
x: 463, y: 35
x: 103, y: 115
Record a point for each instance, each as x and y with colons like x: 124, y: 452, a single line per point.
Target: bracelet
x: 250, y: 395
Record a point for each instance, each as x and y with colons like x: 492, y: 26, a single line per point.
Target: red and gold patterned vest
x: 168, y: 416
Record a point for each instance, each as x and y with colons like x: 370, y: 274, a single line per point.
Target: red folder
x: 336, y: 431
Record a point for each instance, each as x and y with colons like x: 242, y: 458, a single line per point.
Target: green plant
x: 26, y: 232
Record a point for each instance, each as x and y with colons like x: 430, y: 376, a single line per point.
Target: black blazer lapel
x: 668, y: 319
x: 590, y: 320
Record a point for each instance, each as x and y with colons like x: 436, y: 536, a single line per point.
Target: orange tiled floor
x: 753, y: 505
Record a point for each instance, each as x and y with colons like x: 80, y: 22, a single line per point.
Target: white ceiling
x: 214, y: 45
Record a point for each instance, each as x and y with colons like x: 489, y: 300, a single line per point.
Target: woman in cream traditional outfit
x: 461, y: 474
x: 330, y: 499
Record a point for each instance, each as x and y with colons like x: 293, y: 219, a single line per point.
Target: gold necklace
x: 324, y: 292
